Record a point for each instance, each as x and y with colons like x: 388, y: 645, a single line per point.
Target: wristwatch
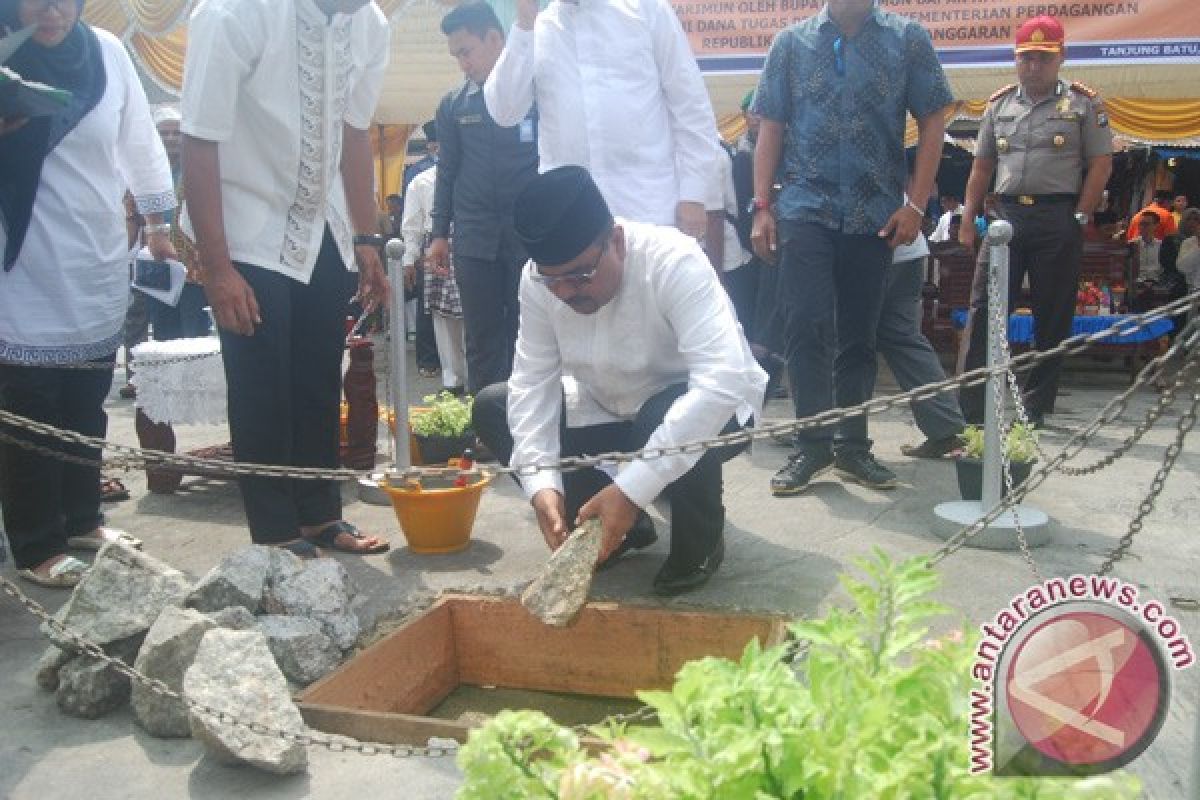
x: 760, y: 204
x: 1082, y: 218
x: 369, y: 239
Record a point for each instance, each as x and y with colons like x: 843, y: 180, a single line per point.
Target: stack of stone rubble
x: 231, y: 642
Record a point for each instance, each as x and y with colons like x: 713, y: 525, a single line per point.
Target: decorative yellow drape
x: 161, y: 57
x: 1150, y: 121
x: 731, y: 126
x: 155, y: 16
x: 390, y: 145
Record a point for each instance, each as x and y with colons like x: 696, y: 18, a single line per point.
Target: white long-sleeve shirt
x: 618, y: 92
x: 417, y: 220
x: 669, y: 323
x: 65, y: 298
x: 1188, y: 262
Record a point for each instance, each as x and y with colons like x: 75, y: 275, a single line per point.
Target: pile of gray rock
x: 239, y: 640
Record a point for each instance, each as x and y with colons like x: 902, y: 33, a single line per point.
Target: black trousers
x: 425, y: 343
x: 285, y: 389
x: 44, y: 499
x: 488, y: 290
x: 831, y: 295
x: 185, y: 320
x: 697, y: 511
x: 1047, y: 245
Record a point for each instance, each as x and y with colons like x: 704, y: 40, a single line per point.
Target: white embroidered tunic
x: 64, y: 299
x: 272, y: 81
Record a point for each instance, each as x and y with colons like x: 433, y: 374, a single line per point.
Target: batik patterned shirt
x: 842, y: 101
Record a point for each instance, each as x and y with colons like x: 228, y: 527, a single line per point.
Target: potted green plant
x: 442, y: 427
x: 1020, y: 445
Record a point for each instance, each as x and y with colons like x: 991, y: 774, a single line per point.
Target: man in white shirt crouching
x: 636, y: 317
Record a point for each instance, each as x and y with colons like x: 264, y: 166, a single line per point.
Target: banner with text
x: 734, y: 35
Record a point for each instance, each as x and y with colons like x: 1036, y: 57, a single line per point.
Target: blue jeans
x: 831, y: 292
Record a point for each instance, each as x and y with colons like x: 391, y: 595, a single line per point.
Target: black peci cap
x: 559, y: 214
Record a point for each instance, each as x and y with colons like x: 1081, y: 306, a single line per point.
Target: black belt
x: 1037, y: 199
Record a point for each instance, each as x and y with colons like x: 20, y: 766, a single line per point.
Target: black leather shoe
x: 671, y: 580
x: 860, y: 466
x: 933, y: 448
x: 640, y: 536
x: 802, y: 468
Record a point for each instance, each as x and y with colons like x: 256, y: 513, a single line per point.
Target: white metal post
x: 398, y: 355
x: 999, y: 234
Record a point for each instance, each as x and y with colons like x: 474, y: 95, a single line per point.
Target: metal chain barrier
x: 1187, y: 421
x: 307, y: 738
x: 1186, y: 377
x: 157, y: 361
x: 1000, y: 320
x: 133, y: 457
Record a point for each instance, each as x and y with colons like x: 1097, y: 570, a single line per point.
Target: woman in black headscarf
x: 64, y: 282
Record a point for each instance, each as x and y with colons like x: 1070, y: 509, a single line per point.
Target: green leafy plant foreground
x: 875, y: 709
x: 444, y: 415
x: 1020, y: 443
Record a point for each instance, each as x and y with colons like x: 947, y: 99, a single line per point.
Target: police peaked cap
x: 559, y: 214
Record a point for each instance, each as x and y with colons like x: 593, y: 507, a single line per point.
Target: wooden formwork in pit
x: 612, y: 650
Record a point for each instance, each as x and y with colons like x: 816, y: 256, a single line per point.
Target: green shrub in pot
x: 1020, y: 444
x: 444, y: 414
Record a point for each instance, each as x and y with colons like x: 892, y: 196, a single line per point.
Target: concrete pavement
x: 782, y: 555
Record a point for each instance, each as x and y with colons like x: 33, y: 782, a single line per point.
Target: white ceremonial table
x: 179, y: 382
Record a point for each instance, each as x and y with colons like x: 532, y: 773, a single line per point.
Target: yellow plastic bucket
x: 437, y: 520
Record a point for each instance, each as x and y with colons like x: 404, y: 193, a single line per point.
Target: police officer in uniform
x: 482, y: 167
x: 1050, y: 148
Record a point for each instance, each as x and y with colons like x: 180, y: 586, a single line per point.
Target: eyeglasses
x: 839, y: 56
x: 575, y: 278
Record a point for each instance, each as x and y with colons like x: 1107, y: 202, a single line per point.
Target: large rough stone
x: 53, y: 660
x: 166, y: 654
x: 323, y: 592
x: 235, y: 618
x: 559, y: 593
x: 120, y: 596
x: 89, y: 688
x: 284, y: 565
x: 238, y: 580
x: 235, y: 672
x: 301, y: 649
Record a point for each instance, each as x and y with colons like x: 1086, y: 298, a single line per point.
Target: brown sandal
x: 112, y: 490
x: 328, y: 537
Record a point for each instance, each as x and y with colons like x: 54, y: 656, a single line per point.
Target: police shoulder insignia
x: 1084, y: 89
x: 1001, y: 92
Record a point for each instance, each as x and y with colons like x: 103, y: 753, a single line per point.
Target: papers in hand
x: 145, y: 266
x: 22, y: 98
